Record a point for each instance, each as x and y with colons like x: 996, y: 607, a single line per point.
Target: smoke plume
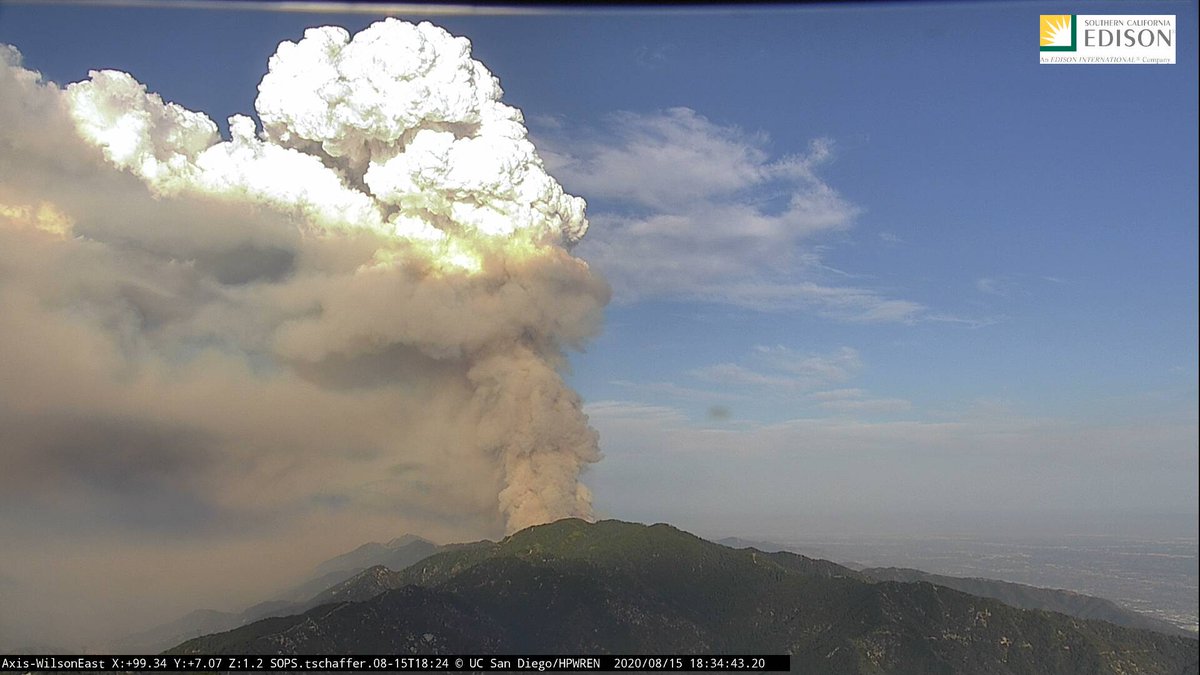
x: 356, y: 313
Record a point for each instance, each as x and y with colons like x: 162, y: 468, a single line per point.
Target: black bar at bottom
x: 391, y: 663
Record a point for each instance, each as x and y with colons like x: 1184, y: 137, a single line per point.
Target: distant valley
x: 1154, y: 574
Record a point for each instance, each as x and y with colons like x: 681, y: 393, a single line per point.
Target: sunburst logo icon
x: 1058, y: 32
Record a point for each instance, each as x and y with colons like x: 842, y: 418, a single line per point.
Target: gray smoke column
x: 360, y: 308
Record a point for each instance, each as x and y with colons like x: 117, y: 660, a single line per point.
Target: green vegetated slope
x: 614, y: 587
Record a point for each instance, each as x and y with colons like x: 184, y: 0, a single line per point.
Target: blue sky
x: 866, y: 260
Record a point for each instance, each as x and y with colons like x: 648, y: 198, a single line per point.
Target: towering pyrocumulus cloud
x: 358, y: 308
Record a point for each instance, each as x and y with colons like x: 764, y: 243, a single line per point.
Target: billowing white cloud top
x: 396, y: 130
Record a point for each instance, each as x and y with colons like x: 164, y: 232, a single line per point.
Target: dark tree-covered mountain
x: 1078, y: 605
x: 574, y: 587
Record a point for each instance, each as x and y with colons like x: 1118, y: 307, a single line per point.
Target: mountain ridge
x: 1024, y: 596
x: 613, y: 587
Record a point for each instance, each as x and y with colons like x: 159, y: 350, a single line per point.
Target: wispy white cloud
x: 845, y: 303
x: 734, y: 374
x: 839, y: 365
x: 783, y: 369
x: 777, y: 373
x: 685, y: 208
x: 1011, y: 285
x: 966, y: 321
x: 678, y: 392
x: 671, y: 160
x: 860, y: 404
x: 1002, y: 287
x: 628, y: 410
x: 654, y: 57
x: 836, y: 394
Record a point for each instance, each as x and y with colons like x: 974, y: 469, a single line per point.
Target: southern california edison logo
x: 1097, y: 39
